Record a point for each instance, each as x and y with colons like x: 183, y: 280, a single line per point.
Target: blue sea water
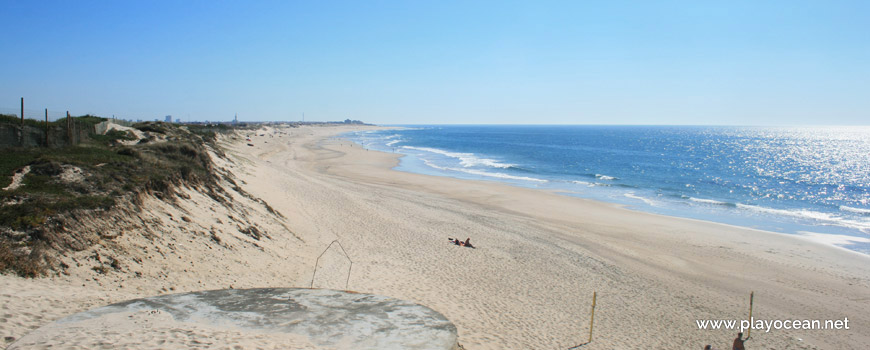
x: 783, y: 179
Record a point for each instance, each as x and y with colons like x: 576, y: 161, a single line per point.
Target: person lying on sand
x: 456, y: 241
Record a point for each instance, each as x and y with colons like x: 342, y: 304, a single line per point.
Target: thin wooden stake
x: 751, y: 297
x: 592, y: 318
x: 68, y: 129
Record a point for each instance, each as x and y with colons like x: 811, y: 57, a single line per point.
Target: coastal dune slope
x: 527, y: 285
x: 195, y: 239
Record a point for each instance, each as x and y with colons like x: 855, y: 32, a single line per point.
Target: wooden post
x: 751, y: 297
x: 22, y: 115
x: 68, y: 129
x: 46, y: 127
x: 592, y: 318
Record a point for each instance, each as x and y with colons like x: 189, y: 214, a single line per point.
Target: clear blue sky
x: 422, y: 62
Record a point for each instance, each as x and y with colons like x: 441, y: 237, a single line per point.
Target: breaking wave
x: 465, y: 159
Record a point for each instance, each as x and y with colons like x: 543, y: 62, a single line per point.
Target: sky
x: 442, y: 62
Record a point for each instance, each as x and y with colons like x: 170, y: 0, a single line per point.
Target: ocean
x: 812, y: 181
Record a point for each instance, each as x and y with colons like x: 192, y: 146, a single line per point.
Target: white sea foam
x: 642, y: 199
x: 824, y: 218
x: 605, y: 177
x: 465, y: 159
x: 798, y: 213
x: 584, y: 183
x: 502, y: 175
x: 855, y: 210
x: 710, y: 201
x: 393, y: 142
x: 483, y: 173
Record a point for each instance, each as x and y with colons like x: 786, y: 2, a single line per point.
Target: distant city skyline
x: 488, y: 62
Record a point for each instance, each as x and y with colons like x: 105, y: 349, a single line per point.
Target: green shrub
x: 114, y: 135
x: 111, y: 172
x: 156, y: 127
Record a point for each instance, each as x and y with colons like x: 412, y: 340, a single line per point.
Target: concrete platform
x: 326, y: 318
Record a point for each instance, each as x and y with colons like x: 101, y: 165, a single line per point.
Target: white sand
x: 17, y: 178
x: 136, y: 132
x: 528, y: 285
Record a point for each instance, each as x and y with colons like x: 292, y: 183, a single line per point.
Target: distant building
x: 178, y: 120
x: 169, y: 119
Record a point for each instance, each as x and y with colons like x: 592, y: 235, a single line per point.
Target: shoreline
x: 838, y: 236
x: 773, y: 252
x: 800, y: 235
x: 539, y: 257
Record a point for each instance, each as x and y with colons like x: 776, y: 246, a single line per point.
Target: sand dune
x: 528, y: 284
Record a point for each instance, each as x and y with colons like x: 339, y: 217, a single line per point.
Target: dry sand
x: 528, y: 285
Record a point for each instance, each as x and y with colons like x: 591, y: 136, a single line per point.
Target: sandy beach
x: 528, y: 284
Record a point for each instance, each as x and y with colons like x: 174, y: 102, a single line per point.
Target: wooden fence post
x: 46, y: 127
x: 68, y: 129
x: 21, y: 133
x: 592, y: 318
x: 749, y: 331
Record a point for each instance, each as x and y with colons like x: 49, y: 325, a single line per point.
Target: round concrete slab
x: 323, y: 318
